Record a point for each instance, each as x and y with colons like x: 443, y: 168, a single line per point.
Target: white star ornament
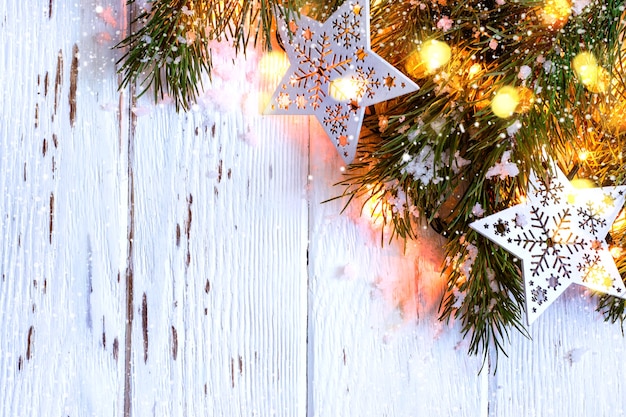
x: 334, y: 74
x: 559, y: 234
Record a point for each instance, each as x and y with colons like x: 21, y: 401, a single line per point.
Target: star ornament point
x: 561, y: 240
x: 334, y: 74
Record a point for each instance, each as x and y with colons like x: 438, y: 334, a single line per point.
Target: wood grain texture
x: 572, y: 366
x: 62, y: 211
x: 376, y: 348
x: 155, y: 263
x: 220, y: 256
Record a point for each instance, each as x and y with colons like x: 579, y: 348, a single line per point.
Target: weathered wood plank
x: 219, y: 259
x: 221, y: 242
x: 573, y: 366
x: 62, y: 181
x: 375, y: 346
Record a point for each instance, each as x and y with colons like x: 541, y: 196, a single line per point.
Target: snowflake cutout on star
x: 334, y: 75
x: 562, y: 240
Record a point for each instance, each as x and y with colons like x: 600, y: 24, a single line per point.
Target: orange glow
x: 620, y: 223
x: 593, y: 77
x: 374, y: 209
x: 556, y: 12
x: 474, y: 70
x: 432, y: 55
x: 526, y: 100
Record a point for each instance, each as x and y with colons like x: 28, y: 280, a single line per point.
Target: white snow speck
x: 504, y: 168
x: 579, y: 5
x: 514, y: 128
x: 478, y: 210
x: 524, y: 72
x: 520, y: 220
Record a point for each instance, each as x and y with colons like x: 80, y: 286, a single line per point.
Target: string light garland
x: 505, y: 87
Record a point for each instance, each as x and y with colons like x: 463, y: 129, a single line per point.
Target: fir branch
x: 169, y: 52
x: 412, y: 146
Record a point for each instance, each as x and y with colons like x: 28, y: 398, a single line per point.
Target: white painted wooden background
x: 155, y: 263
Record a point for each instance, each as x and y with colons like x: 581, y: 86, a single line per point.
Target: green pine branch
x: 447, y: 126
x: 450, y: 116
x: 169, y: 48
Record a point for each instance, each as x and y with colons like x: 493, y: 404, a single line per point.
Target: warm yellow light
x: 601, y: 83
x: 374, y: 208
x: 273, y: 64
x: 435, y: 54
x: 474, y: 70
x: 617, y: 117
x: 414, y: 66
x: 557, y: 12
x: 616, y: 251
x: 505, y: 102
x: 264, y: 101
x: 344, y: 89
x: 582, y: 183
x: 583, y: 155
x: 619, y: 224
x: 590, y: 74
x: 526, y: 99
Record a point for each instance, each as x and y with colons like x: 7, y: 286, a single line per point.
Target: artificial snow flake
x: 383, y: 122
x: 520, y: 220
x: 459, y: 297
x: 513, y: 128
x: 422, y: 166
x: 459, y: 162
x: 559, y: 233
x: 445, y: 23
x: 579, y: 5
x: 438, y: 124
x: 334, y: 74
x: 524, y: 72
x: 504, y: 168
x: 465, y: 266
x: 402, y: 129
x: 548, y: 67
x: 478, y: 210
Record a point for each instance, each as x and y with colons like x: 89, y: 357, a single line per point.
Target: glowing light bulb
x: 474, y: 70
x: 557, y: 12
x: 505, y: 102
x: 616, y: 251
x: 344, y: 89
x: 435, y: 54
x: 590, y: 74
x: 583, y: 155
x: 374, y: 208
